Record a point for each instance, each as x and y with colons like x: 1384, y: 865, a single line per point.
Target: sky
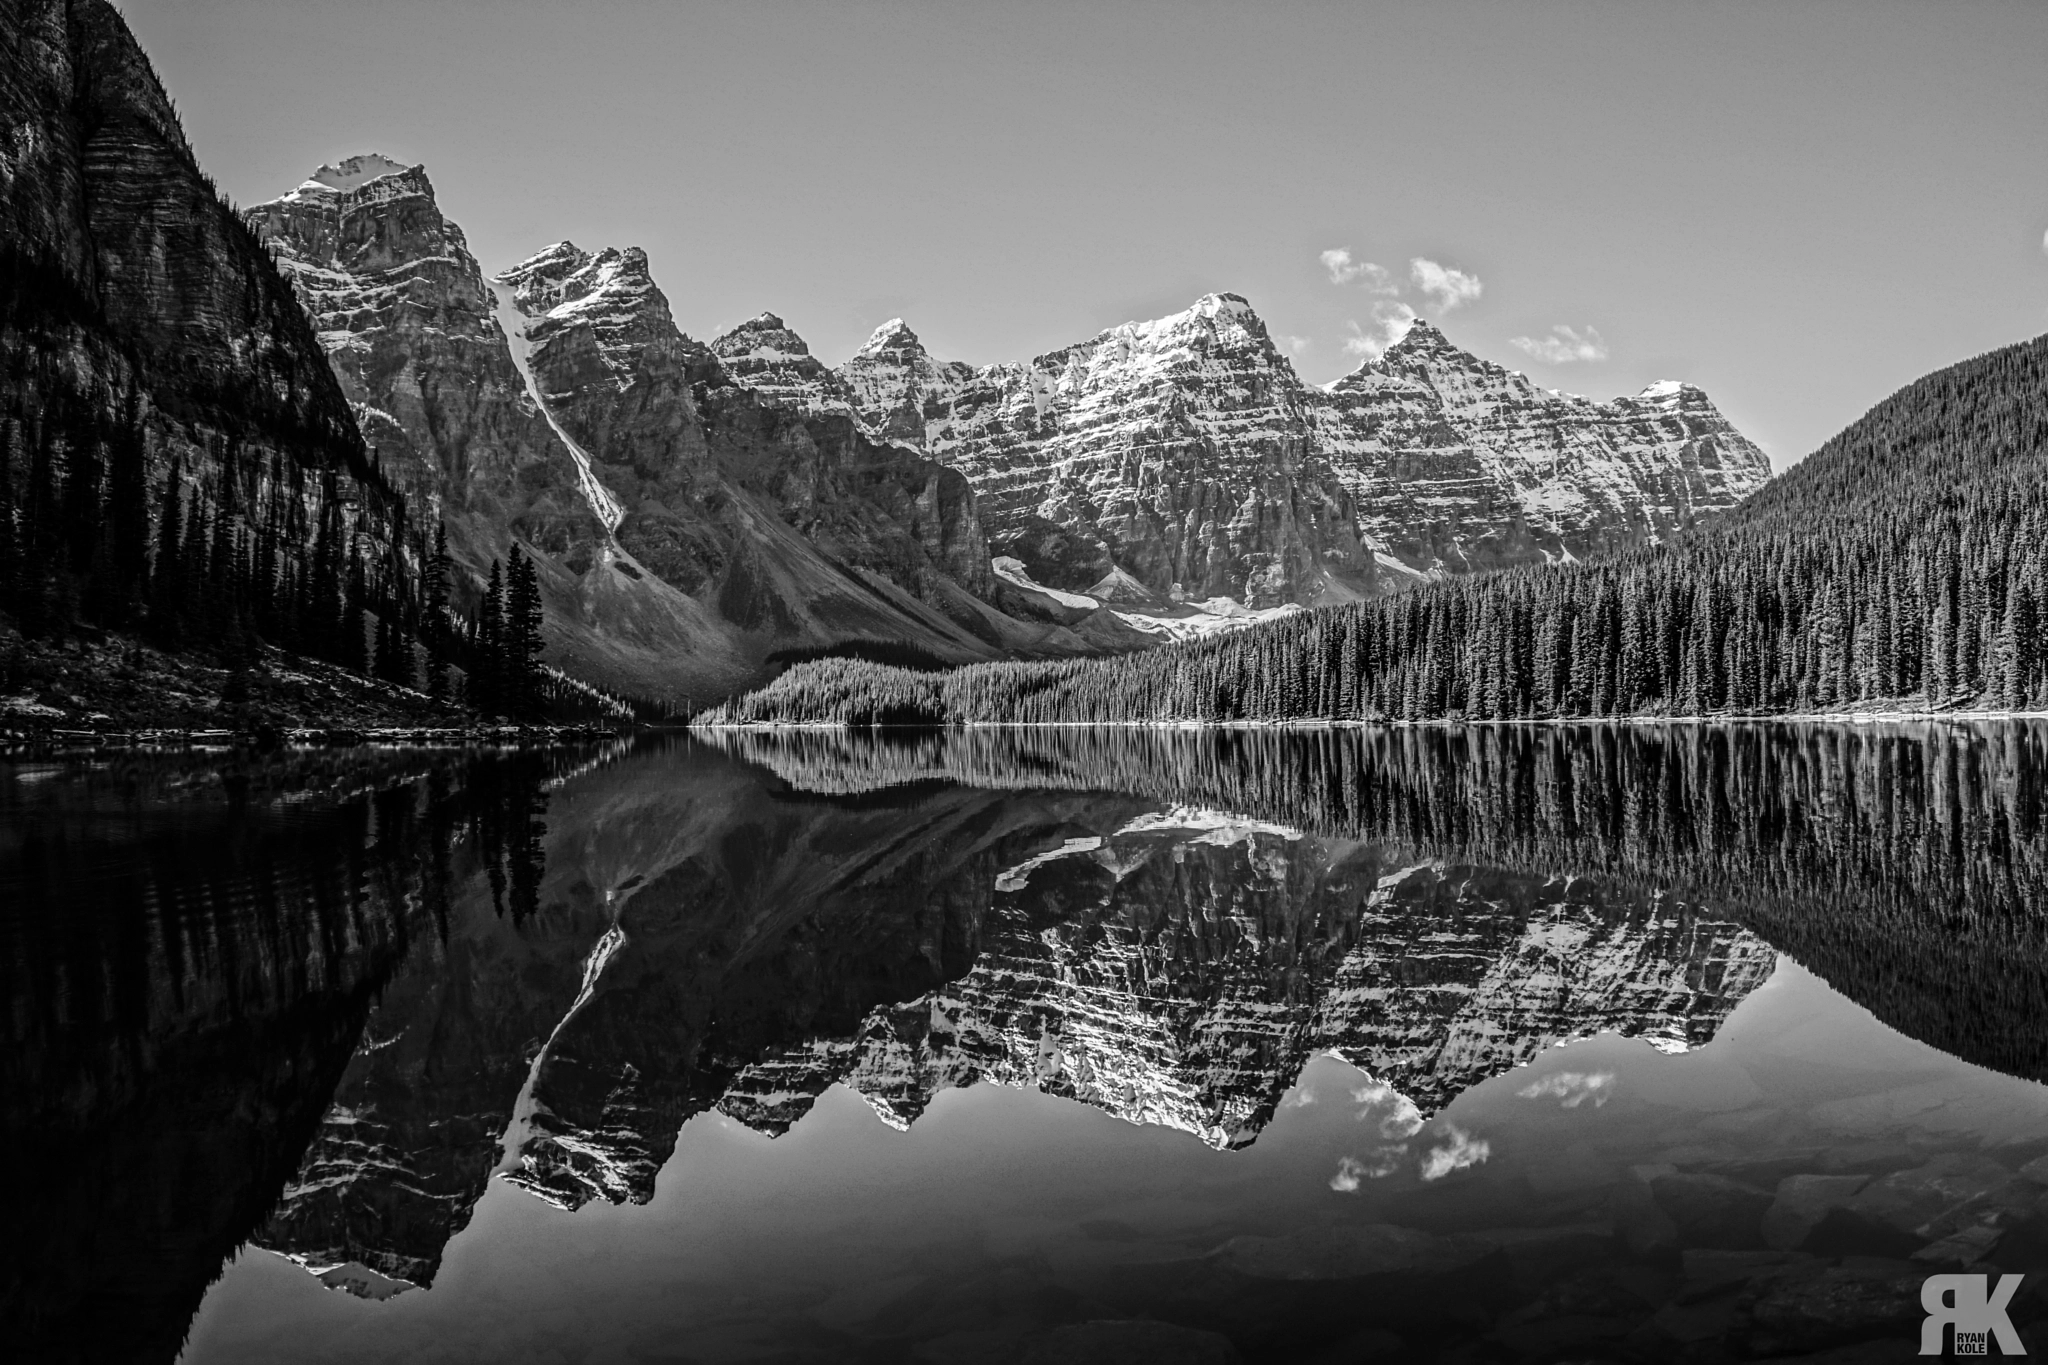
x: 1799, y: 206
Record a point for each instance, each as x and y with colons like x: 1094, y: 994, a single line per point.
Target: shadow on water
x: 192, y: 947
x: 318, y: 1001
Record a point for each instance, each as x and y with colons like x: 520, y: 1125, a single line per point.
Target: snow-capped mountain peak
x: 766, y: 355
x: 610, y: 288
x: 352, y: 173
x: 892, y: 336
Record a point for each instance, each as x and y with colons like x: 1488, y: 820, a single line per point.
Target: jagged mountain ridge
x: 1187, y: 451
x: 1461, y: 464
x: 686, y: 530
x: 1167, y: 457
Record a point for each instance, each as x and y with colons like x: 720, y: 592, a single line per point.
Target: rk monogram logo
x: 1977, y: 1311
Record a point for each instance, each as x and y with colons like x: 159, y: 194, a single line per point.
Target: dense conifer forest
x: 1907, y: 559
x: 312, y: 552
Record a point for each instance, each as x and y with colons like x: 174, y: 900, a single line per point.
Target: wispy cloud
x: 1400, y: 1118
x: 1293, y: 345
x: 1572, y: 1088
x: 1459, y: 1150
x: 1445, y: 287
x: 1376, y: 279
x: 1391, y: 320
x: 1351, y: 1171
x: 1564, y: 346
x: 2044, y: 245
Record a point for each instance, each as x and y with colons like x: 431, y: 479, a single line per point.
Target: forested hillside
x: 1906, y: 560
x: 186, y: 499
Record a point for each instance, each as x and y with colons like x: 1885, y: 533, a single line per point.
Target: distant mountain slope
x: 1963, y: 431
x: 1185, y: 454
x: 1459, y: 464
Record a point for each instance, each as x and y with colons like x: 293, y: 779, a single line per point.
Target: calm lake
x: 1501, y: 1044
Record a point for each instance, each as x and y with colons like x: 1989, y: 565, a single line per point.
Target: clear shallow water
x: 1509, y: 1045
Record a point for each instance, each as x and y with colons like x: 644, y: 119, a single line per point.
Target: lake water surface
x: 1501, y: 1044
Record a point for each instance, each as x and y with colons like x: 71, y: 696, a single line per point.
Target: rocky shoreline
x: 16, y: 743
x: 109, y: 691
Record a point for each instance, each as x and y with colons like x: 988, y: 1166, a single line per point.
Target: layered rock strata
x: 1185, y: 458
x: 686, y: 529
x: 765, y: 355
x: 1457, y: 464
x: 143, y: 328
x: 1173, y: 453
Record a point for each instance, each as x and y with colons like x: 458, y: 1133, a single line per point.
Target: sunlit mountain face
x: 1371, y: 1025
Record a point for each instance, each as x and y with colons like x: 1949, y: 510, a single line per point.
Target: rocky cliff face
x: 1172, y: 453
x: 1457, y: 464
x: 766, y: 356
x: 141, y: 324
x: 795, y: 522
x: 897, y: 388
x: 686, y: 529
x: 408, y: 324
x: 1186, y: 451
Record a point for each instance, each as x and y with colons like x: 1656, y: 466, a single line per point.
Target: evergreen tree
x: 434, y: 614
x: 167, y: 582
x: 521, y: 645
x: 486, y: 648
x: 354, y: 623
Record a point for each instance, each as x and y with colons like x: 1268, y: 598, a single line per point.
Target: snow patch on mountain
x: 603, y: 505
x: 351, y: 174
x: 1207, y: 826
x: 1200, y: 620
x: 1014, y: 879
x: 1011, y: 570
x: 765, y: 355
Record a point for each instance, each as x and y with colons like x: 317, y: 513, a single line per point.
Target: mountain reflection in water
x: 315, y: 1003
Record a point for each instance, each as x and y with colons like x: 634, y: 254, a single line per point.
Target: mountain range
x: 1186, y: 456
x: 720, y: 504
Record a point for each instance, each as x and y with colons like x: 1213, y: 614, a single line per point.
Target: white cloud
x: 1375, y: 279
x: 1460, y: 1151
x: 1573, y: 1088
x: 1446, y: 287
x: 1293, y: 345
x: 1391, y: 320
x: 2044, y: 243
x: 1351, y: 1171
x: 1564, y: 346
x: 1400, y: 1118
